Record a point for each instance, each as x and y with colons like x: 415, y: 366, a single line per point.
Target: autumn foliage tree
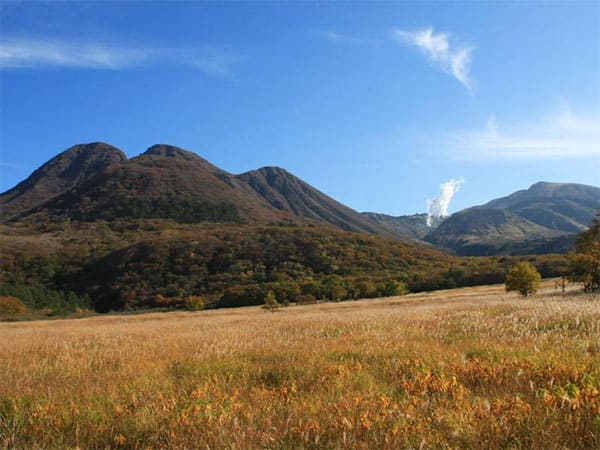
x: 271, y: 303
x: 584, y: 264
x: 524, y: 278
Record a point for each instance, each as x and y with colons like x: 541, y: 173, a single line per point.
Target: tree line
x: 237, y: 265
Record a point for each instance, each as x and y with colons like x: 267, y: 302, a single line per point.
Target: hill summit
x: 64, y: 172
x: 96, y: 181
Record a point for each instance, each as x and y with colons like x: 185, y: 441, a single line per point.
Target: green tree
x: 271, y: 303
x: 335, y: 289
x: 523, y: 277
x: 285, y: 291
x: 584, y: 264
x: 392, y: 288
x: 366, y: 289
x: 195, y: 303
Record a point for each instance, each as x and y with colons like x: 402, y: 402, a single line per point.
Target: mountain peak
x: 544, y: 183
x: 273, y: 173
x: 170, y: 151
x: 92, y: 147
x: 272, y: 169
x: 547, y: 191
x: 65, y: 171
x: 544, y: 186
x: 87, y: 157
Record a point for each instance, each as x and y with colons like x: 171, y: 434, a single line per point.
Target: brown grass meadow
x: 467, y: 368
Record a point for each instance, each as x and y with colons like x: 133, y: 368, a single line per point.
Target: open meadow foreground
x: 464, y: 368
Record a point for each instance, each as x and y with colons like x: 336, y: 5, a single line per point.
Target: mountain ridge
x: 166, y: 180
x: 538, y: 219
x: 97, y: 181
x: 286, y: 192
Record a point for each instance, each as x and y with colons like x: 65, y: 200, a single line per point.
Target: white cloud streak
x: 43, y: 53
x: 451, y: 58
x: 340, y: 38
x: 565, y: 135
x: 7, y: 165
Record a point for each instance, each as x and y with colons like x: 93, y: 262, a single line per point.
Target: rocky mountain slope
x: 286, y: 192
x: 65, y: 171
x: 566, y: 207
x: 541, y: 219
x: 97, y: 181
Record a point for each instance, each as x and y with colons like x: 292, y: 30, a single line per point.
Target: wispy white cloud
x: 42, y: 53
x: 569, y: 121
x: 8, y: 165
x: 452, y: 58
x: 565, y: 135
x: 340, y: 38
x: 31, y: 53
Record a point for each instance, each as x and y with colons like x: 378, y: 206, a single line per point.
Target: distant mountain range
x: 96, y: 181
x: 541, y: 219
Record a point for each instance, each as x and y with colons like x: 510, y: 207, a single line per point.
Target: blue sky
x: 375, y: 104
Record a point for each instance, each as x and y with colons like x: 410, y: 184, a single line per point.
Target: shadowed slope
x: 164, y: 182
x: 65, y: 171
x: 288, y: 193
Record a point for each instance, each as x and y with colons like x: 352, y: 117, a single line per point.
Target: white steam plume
x: 438, y: 207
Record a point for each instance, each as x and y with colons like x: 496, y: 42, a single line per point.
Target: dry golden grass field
x: 467, y: 368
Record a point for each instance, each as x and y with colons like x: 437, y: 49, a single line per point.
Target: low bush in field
x: 12, y: 306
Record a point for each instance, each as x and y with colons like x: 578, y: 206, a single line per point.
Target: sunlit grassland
x: 464, y: 368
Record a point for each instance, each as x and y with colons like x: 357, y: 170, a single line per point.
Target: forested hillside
x: 156, y: 263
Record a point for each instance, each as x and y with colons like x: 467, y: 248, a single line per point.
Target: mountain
x: 476, y: 231
x: 286, y: 192
x: 65, y: 171
x: 97, y: 181
x: 164, y: 182
x: 566, y: 207
x: 541, y: 219
x: 411, y: 227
